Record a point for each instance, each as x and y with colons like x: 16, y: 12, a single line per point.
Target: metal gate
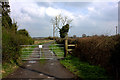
x: 45, y: 51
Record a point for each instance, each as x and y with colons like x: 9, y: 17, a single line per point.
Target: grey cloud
x: 72, y: 4
x: 45, y: 4
x: 41, y: 26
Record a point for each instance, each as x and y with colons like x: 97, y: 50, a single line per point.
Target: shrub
x: 115, y: 58
x: 11, y: 37
x: 70, y: 41
x: 100, y: 50
x: 11, y: 45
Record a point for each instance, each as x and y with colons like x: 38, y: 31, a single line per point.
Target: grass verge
x: 81, y: 69
x: 8, y: 68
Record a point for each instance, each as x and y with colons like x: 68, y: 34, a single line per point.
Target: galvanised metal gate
x: 45, y: 51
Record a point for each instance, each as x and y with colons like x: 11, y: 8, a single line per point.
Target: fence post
x: 66, y: 48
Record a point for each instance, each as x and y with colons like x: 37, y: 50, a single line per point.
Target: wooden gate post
x: 66, y: 48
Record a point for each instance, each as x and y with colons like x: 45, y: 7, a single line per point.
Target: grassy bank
x: 84, y: 70
x: 81, y: 69
x: 99, y: 50
x: 8, y: 68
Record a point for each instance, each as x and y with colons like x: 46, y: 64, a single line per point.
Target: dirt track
x: 42, y: 69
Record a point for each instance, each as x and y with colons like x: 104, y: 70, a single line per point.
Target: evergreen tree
x: 6, y: 20
x: 64, y: 31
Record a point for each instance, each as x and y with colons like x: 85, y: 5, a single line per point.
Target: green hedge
x: 11, y: 45
x: 100, y: 50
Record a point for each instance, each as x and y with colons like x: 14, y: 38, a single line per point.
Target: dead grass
x: 42, y: 41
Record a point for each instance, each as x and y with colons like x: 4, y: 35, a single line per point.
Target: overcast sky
x: 89, y: 18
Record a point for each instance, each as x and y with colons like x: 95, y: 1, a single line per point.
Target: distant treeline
x: 12, y: 38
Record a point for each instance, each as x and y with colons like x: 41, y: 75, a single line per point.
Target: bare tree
x: 59, y: 21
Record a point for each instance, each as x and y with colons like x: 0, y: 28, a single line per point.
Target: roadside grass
x: 0, y: 70
x: 42, y: 61
x: 58, y: 50
x: 81, y: 69
x: 8, y: 68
